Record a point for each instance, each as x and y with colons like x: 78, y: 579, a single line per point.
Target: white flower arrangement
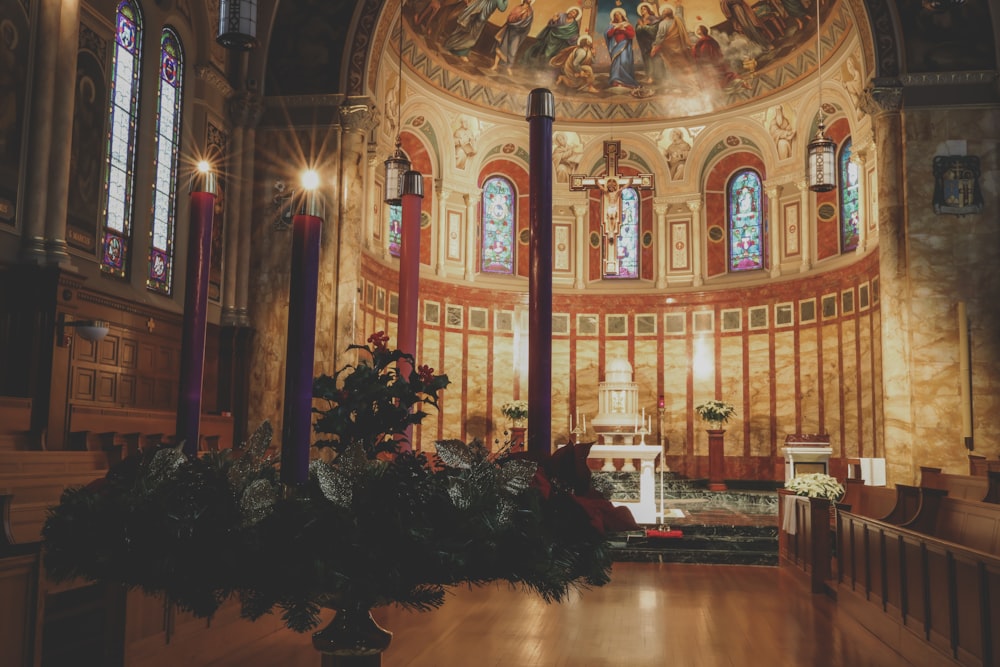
x: 816, y: 485
x: 716, y: 412
x: 515, y: 410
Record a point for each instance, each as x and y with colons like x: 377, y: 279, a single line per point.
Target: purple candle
x: 541, y: 111
x: 409, y: 279
x: 296, y: 432
x: 195, y: 309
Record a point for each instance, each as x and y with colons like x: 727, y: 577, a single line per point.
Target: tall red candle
x: 409, y: 278
x: 195, y: 310
x: 541, y: 111
x: 296, y: 431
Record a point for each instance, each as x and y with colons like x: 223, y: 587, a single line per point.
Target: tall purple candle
x: 409, y: 278
x: 296, y: 432
x: 541, y: 111
x: 195, y: 310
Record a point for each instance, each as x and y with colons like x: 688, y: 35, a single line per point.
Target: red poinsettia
x: 566, y: 471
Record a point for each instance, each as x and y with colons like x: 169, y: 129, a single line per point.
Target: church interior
x: 776, y: 204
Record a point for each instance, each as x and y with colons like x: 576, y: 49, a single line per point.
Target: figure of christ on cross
x: 611, y: 186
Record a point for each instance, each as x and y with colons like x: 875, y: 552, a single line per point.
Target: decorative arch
x: 716, y: 183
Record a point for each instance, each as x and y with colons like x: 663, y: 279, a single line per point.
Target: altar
x: 644, y: 510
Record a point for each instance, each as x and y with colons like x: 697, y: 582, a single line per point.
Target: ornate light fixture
x: 238, y: 24
x: 822, y: 150
x: 396, y: 164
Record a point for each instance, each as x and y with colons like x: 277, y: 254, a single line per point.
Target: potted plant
x: 715, y: 412
x: 516, y: 411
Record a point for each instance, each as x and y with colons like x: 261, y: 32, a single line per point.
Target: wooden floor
x: 649, y: 615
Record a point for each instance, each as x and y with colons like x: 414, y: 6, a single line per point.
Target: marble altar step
x: 738, y: 526
x: 720, y: 545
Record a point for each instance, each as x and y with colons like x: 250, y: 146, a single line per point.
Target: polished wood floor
x: 650, y: 615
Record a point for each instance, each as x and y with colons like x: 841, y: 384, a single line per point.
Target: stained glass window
x: 168, y: 124
x: 850, y: 211
x: 119, y: 180
x: 746, y: 222
x: 628, y: 237
x: 499, y: 225
x: 395, y: 228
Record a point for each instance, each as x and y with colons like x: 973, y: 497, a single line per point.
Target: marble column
x: 471, y: 233
x: 860, y: 157
x: 244, y: 232
x: 697, y: 242
x: 884, y: 103
x: 371, y: 219
x: 234, y: 185
x: 774, y: 230
x: 581, y: 254
x: 356, y: 121
x: 662, y: 245
x: 64, y: 97
x: 807, y: 221
x: 441, y: 230
x: 40, y: 138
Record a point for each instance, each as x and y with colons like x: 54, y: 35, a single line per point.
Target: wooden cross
x: 611, y: 186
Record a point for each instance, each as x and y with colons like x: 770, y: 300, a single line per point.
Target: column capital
x: 773, y: 191
x: 442, y: 191
x: 360, y: 118
x: 246, y: 108
x: 660, y: 208
x: 884, y: 96
x: 802, y: 185
x: 471, y: 198
x: 694, y: 205
x: 580, y: 210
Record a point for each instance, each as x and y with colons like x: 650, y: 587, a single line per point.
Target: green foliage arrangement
x: 374, y: 525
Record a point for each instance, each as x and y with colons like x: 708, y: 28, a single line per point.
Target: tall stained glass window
x: 746, y: 222
x: 395, y: 228
x: 119, y: 179
x: 168, y: 125
x: 850, y: 211
x: 628, y: 237
x: 499, y: 226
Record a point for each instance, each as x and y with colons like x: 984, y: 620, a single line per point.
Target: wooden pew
x: 15, y: 424
x: 36, y: 481
x: 872, y: 501
x: 131, y: 428
x: 980, y: 465
x: 19, y: 570
x: 970, y: 487
x: 804, y: 539
x: 933, y: 581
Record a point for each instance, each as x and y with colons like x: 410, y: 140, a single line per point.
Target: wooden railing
x: 131, y: 430
x: 804, y: 538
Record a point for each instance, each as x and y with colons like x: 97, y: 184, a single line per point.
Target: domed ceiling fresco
x: 608, y: 59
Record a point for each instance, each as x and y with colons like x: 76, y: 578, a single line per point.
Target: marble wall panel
x: 809, y: 381
x: 504, y: 384
x: 760, y: 375
x: 561, y: 378
x: 678, y: 407
x: 866, y: 390
x: 784, y: 386
x: 588, y: 353
x: 850, y: 389
x: 831, y: 403
x: 646, y: 367
x: 475, y: 403
x: 731, y: 373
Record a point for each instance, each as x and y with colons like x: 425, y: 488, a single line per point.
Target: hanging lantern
x: 395, y: 166
x: 238, y: 24
x: 822, y: 161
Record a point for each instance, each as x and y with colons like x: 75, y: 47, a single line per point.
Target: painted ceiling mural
x: 608, y: 59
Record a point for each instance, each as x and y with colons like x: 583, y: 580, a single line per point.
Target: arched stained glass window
x: 168, y: 125
x: 395, y: 228
x: 850, y: 211
x: 119, y: 180
x: 746, y: 222
x: 627, y: 245
x: 499, y: 226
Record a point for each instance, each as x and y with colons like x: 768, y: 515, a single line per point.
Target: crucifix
x: 611, y: 186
